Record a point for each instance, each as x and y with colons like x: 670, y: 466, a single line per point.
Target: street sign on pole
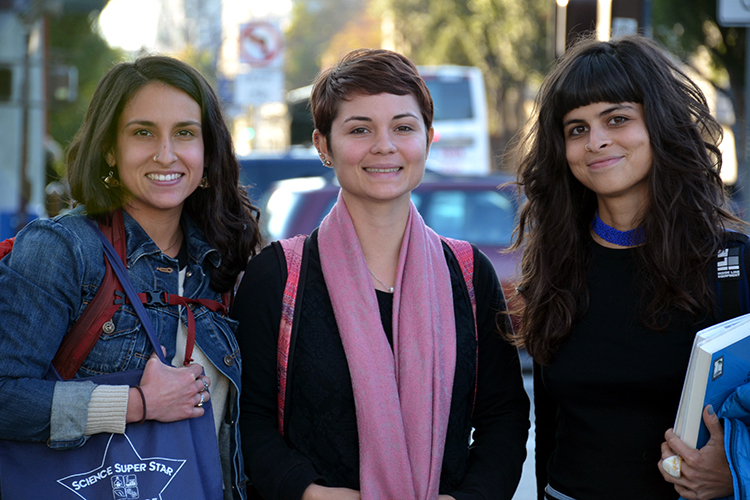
x: 261, y: 44
x: 259, y: 86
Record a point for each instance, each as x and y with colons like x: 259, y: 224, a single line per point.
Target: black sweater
x: 321, y: 445
x: 612, y: 390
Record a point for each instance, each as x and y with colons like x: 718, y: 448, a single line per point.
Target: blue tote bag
x: 153, y: 460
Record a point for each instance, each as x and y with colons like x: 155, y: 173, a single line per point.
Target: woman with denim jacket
x: 154, y: 146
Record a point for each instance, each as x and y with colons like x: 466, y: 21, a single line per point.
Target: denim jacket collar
x: 140, y: 244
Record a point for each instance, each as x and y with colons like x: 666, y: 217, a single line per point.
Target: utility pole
x: 737, y: 13
x: 24, y: 188
x: 606, y: 17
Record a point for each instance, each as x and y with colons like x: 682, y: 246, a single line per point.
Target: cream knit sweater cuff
x: 108, y: 410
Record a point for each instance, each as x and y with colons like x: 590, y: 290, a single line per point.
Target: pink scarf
x: 402, y: 396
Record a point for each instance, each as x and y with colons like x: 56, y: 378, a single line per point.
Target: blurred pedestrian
x: 624, y: 218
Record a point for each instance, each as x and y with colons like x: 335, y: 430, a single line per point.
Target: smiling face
x: 379, y: 145
x: 162, y: 120
x: 609, y: 150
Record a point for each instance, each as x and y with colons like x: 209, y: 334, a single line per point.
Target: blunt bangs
x: 599, y: 76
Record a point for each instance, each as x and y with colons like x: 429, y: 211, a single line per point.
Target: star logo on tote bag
x: 127, y: 477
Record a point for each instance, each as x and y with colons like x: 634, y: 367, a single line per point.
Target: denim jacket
x: 52, y: 273
x: 735, y: 414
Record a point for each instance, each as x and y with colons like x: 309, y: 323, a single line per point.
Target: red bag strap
x: 465, y: 255
x: 6, y: 246
x: 84, y: 334
x: 168, y: 299
x: 293, y: 248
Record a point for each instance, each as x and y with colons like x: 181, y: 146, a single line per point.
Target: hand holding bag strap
x: 122, y: 275
x: 85, y: 333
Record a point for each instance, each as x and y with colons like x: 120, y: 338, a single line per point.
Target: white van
x: 462, y: 140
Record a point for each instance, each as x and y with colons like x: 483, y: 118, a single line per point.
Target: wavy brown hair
x: 686, y: 213
x: 223, y: 211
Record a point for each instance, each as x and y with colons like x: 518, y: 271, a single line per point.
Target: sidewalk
x: 527, y: 487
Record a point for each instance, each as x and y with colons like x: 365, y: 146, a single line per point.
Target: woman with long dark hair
x: 624, y: 218
x: 155, y: 153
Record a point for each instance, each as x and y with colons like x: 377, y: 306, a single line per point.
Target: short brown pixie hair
x: 366, y: 72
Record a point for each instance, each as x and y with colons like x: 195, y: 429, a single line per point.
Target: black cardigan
x: 321, y: 445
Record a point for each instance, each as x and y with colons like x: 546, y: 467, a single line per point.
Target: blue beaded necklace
x: 611, y: 235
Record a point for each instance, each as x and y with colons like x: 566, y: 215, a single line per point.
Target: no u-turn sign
x: 261, y: 44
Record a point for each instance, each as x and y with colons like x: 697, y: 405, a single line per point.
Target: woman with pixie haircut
x: 624, y: 218
x: 387, y: 373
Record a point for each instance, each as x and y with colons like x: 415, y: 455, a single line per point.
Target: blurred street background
x: 483, y: 61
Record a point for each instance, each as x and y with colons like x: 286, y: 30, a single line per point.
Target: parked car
x: 258, y: 171
x: 479, y: 209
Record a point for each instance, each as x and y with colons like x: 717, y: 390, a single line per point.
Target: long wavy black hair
x: 223, y: 211
x: 686, y: 213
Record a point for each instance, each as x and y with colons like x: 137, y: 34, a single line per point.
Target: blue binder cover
x: 719, y: 363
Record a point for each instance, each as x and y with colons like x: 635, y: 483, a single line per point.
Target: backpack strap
x: 732, y: 289
x: 160, y: 298
x: 84, y: 334
x: 464, y: 253
x: 293, y: 250
x: 6, y: 246
x: 96, y: 318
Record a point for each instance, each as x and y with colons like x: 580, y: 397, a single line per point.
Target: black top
x: 611, y: 391
x: 322, y: 442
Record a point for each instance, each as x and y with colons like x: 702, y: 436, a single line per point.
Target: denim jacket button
x: 228, y: 360
x: 189, y: 274
x: 108, y: 327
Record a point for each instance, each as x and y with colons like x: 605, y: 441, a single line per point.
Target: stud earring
x: 110, y: 181
x: 204, y: 183
x: 327, y: 163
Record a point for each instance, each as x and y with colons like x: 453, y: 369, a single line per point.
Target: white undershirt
x: 219, y: 383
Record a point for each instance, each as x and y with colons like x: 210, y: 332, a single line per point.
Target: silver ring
x: 205, y: 385
x: 587, y: 149
x: 202, y: 401
x: 156, y: 157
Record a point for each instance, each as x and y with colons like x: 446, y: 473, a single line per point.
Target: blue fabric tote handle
x: 127, y: 286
